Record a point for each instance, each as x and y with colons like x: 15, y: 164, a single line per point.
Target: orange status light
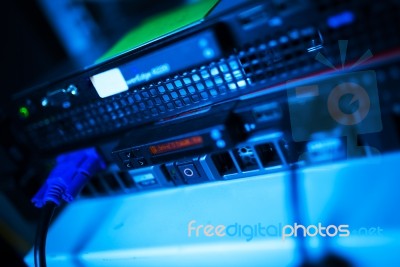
x: 176, y: 145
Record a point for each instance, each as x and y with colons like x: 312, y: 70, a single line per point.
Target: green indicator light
x: 24, y: 112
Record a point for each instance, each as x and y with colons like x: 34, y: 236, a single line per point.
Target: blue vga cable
x: 65, y: 181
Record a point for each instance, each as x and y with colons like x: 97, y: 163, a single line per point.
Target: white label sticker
x: 109, y: 83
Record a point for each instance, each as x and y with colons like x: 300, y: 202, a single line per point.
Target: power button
x: 189, y: 171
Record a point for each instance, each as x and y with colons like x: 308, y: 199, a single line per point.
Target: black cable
x: 297, y: 210
x: 65, y: 181
x: 41, y: 234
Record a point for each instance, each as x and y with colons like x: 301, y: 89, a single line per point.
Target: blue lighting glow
x: 340, y: 19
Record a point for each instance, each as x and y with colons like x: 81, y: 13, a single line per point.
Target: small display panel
x: 176, y: 145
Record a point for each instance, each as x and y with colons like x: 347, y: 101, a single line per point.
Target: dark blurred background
x: 43, y: 40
